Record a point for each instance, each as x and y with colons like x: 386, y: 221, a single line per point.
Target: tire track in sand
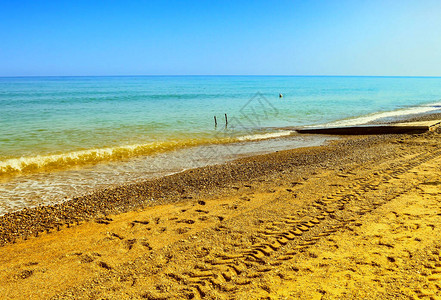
x: 230, y: 272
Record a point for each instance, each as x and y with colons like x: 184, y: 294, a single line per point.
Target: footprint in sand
x: 104, y: 220
x: 182, y: 230
x: 104, y: 265
x: 140, y: 222
x: 144, y: 242
x: 128, y: 244
x: 186, y: 221
x: 24, y: 274
x: 88, y: 257
x: 113, y: 235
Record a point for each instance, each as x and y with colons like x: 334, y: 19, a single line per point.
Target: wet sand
x: 358, y: 218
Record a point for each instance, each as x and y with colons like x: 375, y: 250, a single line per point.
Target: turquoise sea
x: 64, y: 136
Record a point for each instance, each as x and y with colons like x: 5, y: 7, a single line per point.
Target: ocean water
x: 64, y: 136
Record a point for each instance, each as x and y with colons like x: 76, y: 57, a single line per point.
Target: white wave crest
x: 263, y: 136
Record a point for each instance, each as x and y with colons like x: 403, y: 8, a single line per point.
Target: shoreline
x: 166, y: 189
x: 37, y: 189
x: 50, y: 187
x: 341, y: 220
x: 56, y: 187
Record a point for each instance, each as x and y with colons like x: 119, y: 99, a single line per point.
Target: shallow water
x: 59, y: 134
x: 54, y: 187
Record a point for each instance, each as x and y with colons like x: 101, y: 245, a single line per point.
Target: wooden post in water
x: 215, y: 121
x: 226, y: 120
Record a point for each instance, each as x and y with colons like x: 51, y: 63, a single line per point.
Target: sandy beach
x: 356, y: 219
x: 213, y: 150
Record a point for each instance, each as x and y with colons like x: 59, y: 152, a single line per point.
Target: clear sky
x: 277, y: 37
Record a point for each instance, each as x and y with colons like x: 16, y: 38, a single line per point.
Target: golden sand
x: 363, y: 226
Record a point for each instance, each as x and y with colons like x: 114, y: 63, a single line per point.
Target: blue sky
x: 309, y: 37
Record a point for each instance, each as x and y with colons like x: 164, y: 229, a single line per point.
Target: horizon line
x: 222, y: 75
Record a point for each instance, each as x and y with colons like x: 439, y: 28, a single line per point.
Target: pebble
x: 211, y: 179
